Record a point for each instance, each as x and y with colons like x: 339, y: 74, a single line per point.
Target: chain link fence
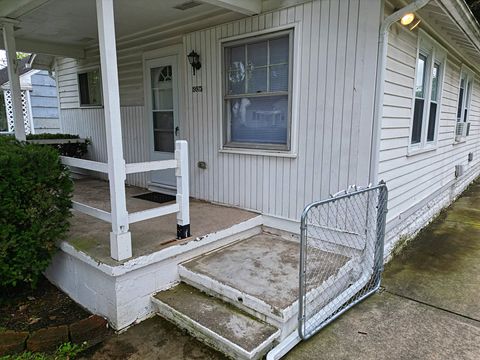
x: 341, y: 256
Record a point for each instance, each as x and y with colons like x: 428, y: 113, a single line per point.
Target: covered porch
x: 90, y: 235
x: 66, y: 29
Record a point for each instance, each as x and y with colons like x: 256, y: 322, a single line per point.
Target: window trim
x: 290, y: 150
x: 435, y: 54
x: 85, y: 70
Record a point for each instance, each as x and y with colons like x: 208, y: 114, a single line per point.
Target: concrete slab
x: 215, y: 322
x: 441, y: 266
x: 91, y: 235
x: 386, y: 326
x: 264, y: 266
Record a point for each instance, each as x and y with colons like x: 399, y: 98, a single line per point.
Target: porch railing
x: 181, y: 206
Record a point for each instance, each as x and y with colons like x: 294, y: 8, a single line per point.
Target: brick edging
x: 89, y: 331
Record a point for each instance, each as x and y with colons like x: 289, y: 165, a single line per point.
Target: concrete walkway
x: 430, y: 304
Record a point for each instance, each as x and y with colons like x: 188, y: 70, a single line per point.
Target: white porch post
x: 183, y: 193
x: 120, y: 237
x: 14, y: 79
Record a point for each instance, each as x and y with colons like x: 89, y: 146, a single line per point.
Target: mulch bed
x: 30, y: 310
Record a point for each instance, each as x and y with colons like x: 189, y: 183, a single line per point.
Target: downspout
x: 380, y: 83
x: 293, y: 339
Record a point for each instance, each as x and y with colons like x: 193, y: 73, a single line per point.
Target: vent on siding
x: 187, y: 5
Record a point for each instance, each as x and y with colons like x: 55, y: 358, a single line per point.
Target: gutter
x: 293, y: 339
x: 380, y: 83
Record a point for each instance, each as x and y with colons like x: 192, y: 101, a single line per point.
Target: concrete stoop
x: 242, y: 299
x: 216, y: 323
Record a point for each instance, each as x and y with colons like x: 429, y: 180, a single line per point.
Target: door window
x: 163, y: 109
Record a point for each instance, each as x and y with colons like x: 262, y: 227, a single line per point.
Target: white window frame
x: 435, y: 54
x: 84, y: 71
x: 294, y: 51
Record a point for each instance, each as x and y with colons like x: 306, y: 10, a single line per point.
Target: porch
x: 90, y: 235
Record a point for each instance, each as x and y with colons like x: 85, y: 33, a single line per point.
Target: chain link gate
x: 341, y: 256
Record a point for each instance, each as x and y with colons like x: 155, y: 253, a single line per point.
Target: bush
x: 73, y: 149
x: 35, y: 198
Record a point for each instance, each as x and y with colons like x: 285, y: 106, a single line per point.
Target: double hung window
x: 257, y: 78
x: 427, y: 92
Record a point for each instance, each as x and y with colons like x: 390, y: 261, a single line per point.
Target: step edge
x: 210, y: 285
x: 237, y: 349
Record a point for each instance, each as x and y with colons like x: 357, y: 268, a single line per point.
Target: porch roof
x: 67, y: 27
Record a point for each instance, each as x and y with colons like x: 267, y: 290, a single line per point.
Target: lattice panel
x: 25, y: 110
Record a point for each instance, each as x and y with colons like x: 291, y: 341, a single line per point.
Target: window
x: 89, y: 86
x: 464, y: 96
x: 427, y: 91
x: 257, y: 91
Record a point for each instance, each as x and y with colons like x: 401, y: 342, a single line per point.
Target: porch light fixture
x: 410, y: 20
x: 194, y: 60
x: 407, y: 19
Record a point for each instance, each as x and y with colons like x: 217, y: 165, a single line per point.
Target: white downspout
x: 293, y: 339
x: 380, y: 83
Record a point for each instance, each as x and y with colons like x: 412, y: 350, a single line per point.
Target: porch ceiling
x: 63, y: 25
x: 453, y: 22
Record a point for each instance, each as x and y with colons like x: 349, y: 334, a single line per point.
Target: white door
x: 162, y: 101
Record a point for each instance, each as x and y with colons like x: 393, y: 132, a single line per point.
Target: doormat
x: 156, y: 197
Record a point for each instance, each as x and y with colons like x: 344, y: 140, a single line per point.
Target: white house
x: 281, y: 103
x: 39, y: 99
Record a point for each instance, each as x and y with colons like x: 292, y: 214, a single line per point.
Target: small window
x: 427, y: 92
x: 90, y: 88
x: 257, y: 91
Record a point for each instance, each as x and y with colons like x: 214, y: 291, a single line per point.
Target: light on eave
x: 407, y: 19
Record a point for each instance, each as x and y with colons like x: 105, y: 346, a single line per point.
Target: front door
x: 162, y: 99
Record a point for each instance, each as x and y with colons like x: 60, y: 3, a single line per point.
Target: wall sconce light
x: 194, y: 60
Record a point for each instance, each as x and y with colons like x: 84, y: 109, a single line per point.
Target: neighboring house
x: 39, y: 100
x: 282, y: 103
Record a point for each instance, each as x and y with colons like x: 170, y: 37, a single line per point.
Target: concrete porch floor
x: 91, y: 235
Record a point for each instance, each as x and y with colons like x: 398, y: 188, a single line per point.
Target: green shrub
x: 73, y: 149
x: 35, y: 198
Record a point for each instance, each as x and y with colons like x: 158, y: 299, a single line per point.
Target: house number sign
x: 197, y: 89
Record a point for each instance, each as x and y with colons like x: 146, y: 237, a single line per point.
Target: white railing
x: 181, y: 206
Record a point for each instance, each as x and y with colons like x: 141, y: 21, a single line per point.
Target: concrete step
x: 216, y: 323
x: 260, y: 276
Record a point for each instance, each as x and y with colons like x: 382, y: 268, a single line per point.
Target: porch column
x: 14, y: 79
x: 120, y: 237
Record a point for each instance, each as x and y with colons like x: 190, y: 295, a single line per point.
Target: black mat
x: 156, y: 197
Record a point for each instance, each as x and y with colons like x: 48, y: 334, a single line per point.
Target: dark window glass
x: 460, y: 100
x: 417, y: 121
x: 3, y: 113
x: 419, y: 100
x: 431, y: 122
x: 90, y: 88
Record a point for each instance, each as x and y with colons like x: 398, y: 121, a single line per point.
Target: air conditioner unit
x: 462, y: 130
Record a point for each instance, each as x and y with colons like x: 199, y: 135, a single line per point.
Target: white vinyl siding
x: 413, y: 178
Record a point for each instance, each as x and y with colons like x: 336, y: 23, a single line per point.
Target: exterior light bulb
x: 407, y: 19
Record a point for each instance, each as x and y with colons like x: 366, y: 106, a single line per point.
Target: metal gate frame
x: 371, y: 260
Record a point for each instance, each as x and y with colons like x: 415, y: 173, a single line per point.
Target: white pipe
x: 293, y: 339
x: 380, y: 83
